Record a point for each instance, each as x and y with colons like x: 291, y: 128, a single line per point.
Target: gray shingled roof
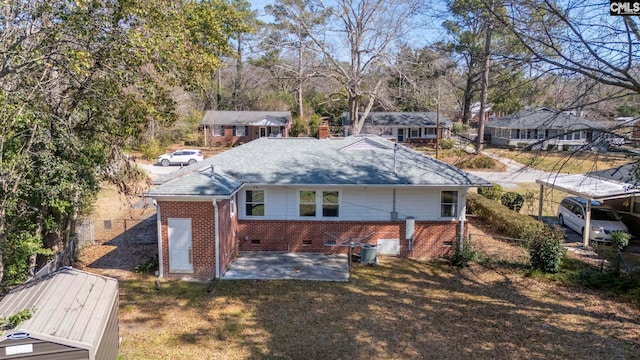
x: 400, y: 119
x: 244, y: 117
x: 544, y: 118
x: 356, y: 160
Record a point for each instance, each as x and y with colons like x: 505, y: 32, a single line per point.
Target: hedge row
x: 508, y: 222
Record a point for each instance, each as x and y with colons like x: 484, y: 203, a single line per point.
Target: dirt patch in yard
x: 124, y: 235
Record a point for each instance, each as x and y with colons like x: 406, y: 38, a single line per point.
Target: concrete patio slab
x: 288, y: 266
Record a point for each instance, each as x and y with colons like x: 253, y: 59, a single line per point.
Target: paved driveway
x: 284, y: 266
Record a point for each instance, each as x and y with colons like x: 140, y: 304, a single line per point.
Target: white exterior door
x: 180, y: 254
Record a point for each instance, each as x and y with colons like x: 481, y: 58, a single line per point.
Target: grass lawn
x: 400, y: 309
x: 565, y: 162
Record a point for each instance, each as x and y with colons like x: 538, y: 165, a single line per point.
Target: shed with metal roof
x: 74, y: 315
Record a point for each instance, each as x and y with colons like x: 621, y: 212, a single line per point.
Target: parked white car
x: 181, y: 157
x: 604, y: 220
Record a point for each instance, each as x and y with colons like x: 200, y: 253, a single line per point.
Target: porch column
x: 540, y: 198
x: 587, y: 224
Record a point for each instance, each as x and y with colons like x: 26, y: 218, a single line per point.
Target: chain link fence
x: 131, y: 231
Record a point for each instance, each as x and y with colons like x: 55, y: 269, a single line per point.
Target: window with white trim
x: 319, y: 204
x: 307, y: 203
x: 218, y: 131
x: 449, y: 204
x: 240, y: 131
x: 254, y: 203
x: 330, y: 204
x: 414, y: 133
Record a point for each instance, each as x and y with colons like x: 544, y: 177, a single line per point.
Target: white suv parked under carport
x: 604, y: 220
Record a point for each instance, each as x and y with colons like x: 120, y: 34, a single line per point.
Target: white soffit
x: 590, y: 187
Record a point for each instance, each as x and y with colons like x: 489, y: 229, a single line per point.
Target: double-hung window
x: 449, y: 204
x: 325, y: 204
x: 330, y: 204
x: 307, y: 203
x: 254, y: 202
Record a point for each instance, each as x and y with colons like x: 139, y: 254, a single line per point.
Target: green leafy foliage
x: 546, y: 253
x: 17, y: 318
x: 620, y: 240
x: 458, y: 128
x: 447, y: 144
x: 512, y: 200
x: 148, y: 266
x: 81, y: 81
x: 478, y: 161
x: 494, y: 192
x: 507, y: 222
x: 464, y: 254
x: 298, y: 128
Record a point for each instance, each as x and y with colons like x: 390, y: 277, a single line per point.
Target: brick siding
x: 432, y: 239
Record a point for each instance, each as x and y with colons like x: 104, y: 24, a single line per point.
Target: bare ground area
x: 399, y: 309
x: 116, y: 252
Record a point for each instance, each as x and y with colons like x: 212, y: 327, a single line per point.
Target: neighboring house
x: 402, y: 127
x: 231, y: 127
x: 543, y: 128
x: 308, y: 195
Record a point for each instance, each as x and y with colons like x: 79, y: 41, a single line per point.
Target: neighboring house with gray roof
x: 231, y: 127
x: 308, y: 195
x: 402, y: 127
x: 543, y: 128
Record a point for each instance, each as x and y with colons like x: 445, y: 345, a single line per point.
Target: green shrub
x: 512, y: 200
x: 464, y: 254
x: 551, y: 147
x: 546, y: 254
x: 511, y: 147
x: 620, y: 240
x: 565, y: 147
x: 494, y: 192
x: 477, y: 162
x: 151, y: 149
x: 507, y: 222
x: 298, y: 128
x: 447, y: 144
x: 148, y: 266
x: 458, y: 128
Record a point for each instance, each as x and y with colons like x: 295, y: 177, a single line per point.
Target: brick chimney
x: 323, y: 131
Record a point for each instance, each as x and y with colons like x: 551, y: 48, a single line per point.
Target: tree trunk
x: 238, y: 81
x: 485, y: 82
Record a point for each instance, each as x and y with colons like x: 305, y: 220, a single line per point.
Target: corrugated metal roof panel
x: 70, y: 307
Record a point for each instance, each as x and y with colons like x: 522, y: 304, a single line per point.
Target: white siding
x: 357, y: 203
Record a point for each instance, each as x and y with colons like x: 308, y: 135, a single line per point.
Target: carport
x: 589, y: 186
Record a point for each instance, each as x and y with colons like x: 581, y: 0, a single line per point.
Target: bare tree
x: 579, y: 39
x: 368, y: 31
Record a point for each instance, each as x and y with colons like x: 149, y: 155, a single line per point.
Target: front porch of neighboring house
x: 232, y: 134
x: 545, y: 139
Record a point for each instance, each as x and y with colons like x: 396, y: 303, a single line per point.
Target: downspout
x: 217, y: 237
x: 462, y: 217
x: 159, y: 224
